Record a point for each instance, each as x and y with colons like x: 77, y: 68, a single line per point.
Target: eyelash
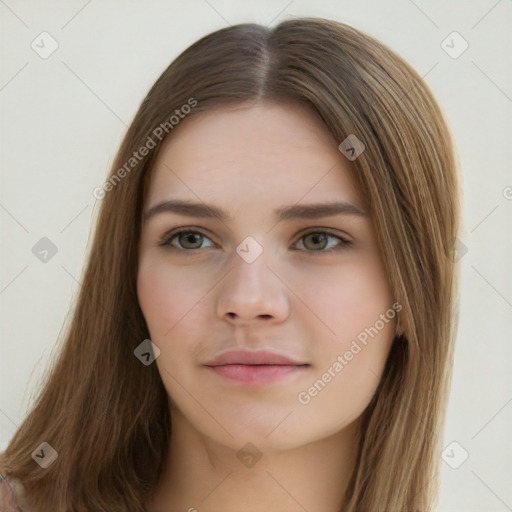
x: 168, y: 237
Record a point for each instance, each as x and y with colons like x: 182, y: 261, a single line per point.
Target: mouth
x: 255, y: 367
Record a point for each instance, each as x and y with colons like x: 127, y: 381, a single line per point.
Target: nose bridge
x: 249, y: 272
x: 250, y: 289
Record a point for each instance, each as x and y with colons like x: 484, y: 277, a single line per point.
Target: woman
x: 299, y: 356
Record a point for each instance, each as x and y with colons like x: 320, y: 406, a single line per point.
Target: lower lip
x: 256, y: 374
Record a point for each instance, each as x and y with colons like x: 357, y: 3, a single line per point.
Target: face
x: 272, y: 313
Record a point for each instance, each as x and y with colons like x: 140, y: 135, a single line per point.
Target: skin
x: 295, y: 298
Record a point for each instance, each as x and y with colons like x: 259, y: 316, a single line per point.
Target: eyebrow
x: 308, y: 211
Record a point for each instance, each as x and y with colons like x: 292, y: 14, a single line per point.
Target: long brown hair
x: 106, y: 414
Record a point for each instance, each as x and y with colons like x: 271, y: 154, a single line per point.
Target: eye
x: 187, y: 240
x: 318, y: 241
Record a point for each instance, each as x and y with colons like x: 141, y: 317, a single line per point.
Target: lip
x: 255, y: 367
x: 253, y: 357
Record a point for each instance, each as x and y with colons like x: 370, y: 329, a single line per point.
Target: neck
x: 205, y: 476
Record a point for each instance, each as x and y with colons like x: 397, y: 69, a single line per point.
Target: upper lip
x: 253, y: 357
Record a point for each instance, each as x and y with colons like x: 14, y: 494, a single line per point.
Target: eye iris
x: 317, y: 238
x: 190, y: 237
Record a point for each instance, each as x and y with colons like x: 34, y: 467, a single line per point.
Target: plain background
x: 63, y: 117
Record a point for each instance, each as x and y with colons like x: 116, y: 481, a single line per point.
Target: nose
x: 252, y: 293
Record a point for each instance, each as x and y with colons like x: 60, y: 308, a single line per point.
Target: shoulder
x: 11, y: 491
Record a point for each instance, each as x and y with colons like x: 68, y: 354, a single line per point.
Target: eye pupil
x: 317, y: 238
x: 190, y: 237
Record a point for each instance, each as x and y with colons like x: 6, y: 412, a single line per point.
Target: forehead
x: 261, y: 152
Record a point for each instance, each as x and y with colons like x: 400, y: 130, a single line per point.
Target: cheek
x: 356, y: 303
x: 166, y: 295
x: 346, y: 299
x: 155, y: 297
x: 170, y: 303
x: 369, y: 325
x: 348, y: 371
